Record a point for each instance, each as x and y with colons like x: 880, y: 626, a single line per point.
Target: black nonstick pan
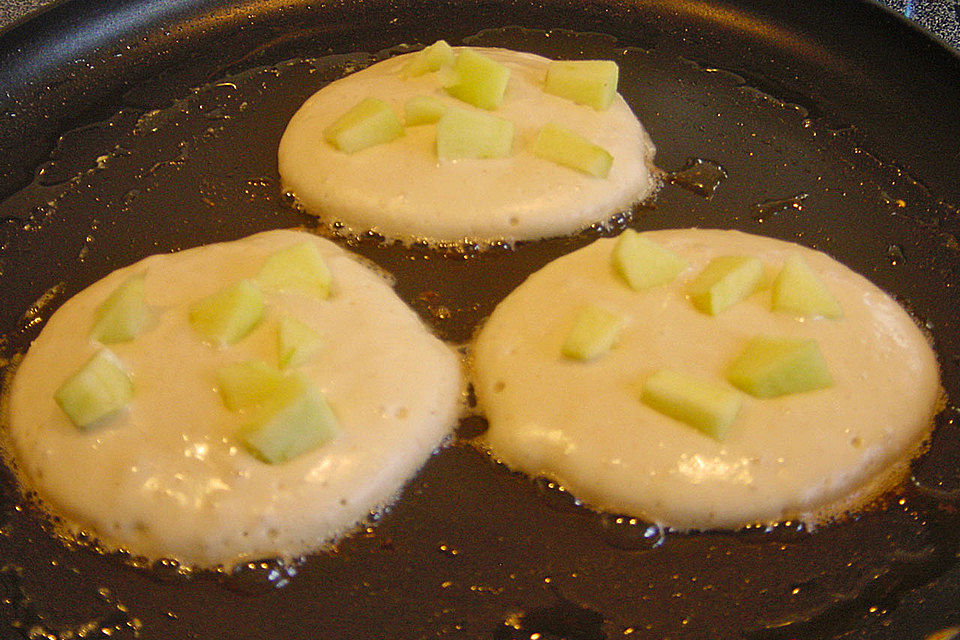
x: 135, y: 127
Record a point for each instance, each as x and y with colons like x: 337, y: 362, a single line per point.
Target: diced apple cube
x: 572, y: 150
x: 472, y: 134
x: 706, y: 406
x: 447, y: 77
x: 299, y: 267
x: 725, y: 281
x: 229, y: 314
x: 478, y: 80
x: 98, y: 390
x: 370, y: 122
x: 297, y: 342
x: 770, y: 367
x: 246, y: 384
x: 644, y: 263
x: 123, y: 315
x: 798, y: 290
x: 297, y: 419
x: 428, y: 59
x: 593, y: 333
x: 423, y: 110
x: 589, y: 82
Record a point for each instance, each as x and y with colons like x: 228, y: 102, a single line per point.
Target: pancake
x: 168, y: 477
x: 401, y: 189
x: 804, y: 456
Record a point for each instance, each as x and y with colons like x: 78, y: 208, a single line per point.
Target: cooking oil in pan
x: 699, y: 175
x: 203, y: 169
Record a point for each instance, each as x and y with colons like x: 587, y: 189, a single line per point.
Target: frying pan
x: 135, y: 127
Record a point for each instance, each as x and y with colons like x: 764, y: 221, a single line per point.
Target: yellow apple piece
x: 229, y: 314
x: 473, y: 134
x: 423, y: 110
x: 370, y: 122
x: 769, y: 367
x: 123, y: 315
x: 477, y: 79
x: 246, y: 384
x: 799, y: 291
x: 725, y: 281
x: 569, y: 149
x: 643, y: 263
x: 588, y: 82
x: 97, y: 391
x: 299, y: 267
x: 707, y: 406
x: 428, y: 59
x: 296, y: 342
x: 294, y: 420
x: 593, y: 333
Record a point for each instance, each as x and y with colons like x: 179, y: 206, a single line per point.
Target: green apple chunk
x: 229, y: 314
x: 472, y: 134
x: 706, y: 406
x: 296, y: 342
x: 769, y: 367
x: 423, y: 110
x: 593, y: 333
x: 572, y: 150
x: 246, y: 384
x: 589, y: 82
x: 123, y: 315
x: 798, y: 290
x: 299, y: 267
x: 643, y: 263
x: 428, y: 59
x: 295, y: 420
x: 478, y: 80
x: 98, y: 390
x: 724, y: 282
x: 370, y: 122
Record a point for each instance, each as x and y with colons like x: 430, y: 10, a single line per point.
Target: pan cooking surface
x: 470, y: 549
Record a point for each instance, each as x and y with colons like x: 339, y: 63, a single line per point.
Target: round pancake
x: 805, y: 455
x: 168, y: 477
x: 402, y: 190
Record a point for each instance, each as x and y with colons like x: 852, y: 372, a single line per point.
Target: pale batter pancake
x: 402, y: 190
x: 583, y: 424
x: 168, y: 477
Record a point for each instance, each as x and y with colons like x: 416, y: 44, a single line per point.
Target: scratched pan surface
x: 133, y: 128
